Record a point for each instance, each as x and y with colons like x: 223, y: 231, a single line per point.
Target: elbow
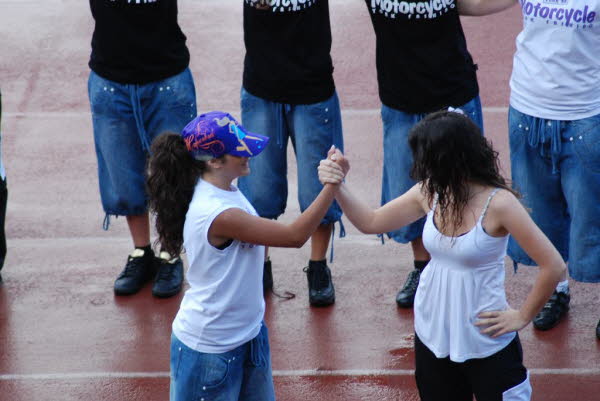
x: 368, y: 230
x: 561, y: 268
x: 297, y: 241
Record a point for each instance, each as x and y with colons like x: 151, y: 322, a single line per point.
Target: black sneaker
x: 140, y: 268
x: 598, y: 330
x: 406, y: 296
x: 556, y: 307
x: 320, y: 286
x: 267, y: 276
x: 169, y: 276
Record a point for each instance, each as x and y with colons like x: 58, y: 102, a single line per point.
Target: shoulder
x: 419, y: 193
x: 504, y: 201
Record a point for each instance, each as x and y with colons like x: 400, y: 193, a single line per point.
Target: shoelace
x: 133, y: 264
x: 413, y: 280
x: 318, y: 277
x: 166, y: 272
x: 553, y: 301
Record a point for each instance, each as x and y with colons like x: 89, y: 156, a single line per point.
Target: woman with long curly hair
x: 466, y: 340
x: 219, y: 345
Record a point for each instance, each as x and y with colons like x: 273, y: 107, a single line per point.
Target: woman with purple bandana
x: 220, y: 345
x: 554, y: 133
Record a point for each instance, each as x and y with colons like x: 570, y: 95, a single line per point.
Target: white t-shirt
x: 224, y: 306
x: 556, y: 68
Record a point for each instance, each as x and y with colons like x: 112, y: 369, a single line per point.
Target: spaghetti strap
x: 435, y: 202
x: 487, y: 203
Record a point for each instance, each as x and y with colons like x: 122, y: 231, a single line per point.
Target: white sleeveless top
x: 224, y: 306
x: 464, y: 278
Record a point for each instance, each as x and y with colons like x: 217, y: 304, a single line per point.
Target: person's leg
x: 439, y: 379
x: 319, y: 241
x: 139, y: 228
x: 397, y: 162
x: 580, y: 169
x: 167, y: 105
x: 266, y: 185
x: 3, y: 199
x: 538, y: 179
x: 257, y: 384
x: 121, y: 161
x: 501, y: 376
x: 314, y: 128
x: 201, y: 376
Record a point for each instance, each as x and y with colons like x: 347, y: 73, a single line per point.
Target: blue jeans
x: 398, y: 160
x: 243, y: 373
x: 556, y: 167
x: 312, y: 128
x: 126, y: 120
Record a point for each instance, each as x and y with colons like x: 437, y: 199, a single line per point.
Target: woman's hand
x: 331, y: 172
x: 496, y: 323
x: 340, y: 159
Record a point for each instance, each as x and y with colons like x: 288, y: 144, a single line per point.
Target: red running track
x: 65, y: 336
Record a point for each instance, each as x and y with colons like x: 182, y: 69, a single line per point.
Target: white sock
x: 563, y: 286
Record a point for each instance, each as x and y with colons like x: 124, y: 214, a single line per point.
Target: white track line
x: 87, y: 114
x: 358, y: 373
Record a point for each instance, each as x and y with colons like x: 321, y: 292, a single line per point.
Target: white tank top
x: 464, y: 278
x: 224, y: 306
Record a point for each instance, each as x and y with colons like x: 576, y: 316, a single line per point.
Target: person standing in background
x: 554, y: 136
x: 423, y: 66
x: 140, y: 85
x: 288, y: 93
x: 3, y: 199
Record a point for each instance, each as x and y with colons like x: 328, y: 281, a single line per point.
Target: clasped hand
x: 333, y: 169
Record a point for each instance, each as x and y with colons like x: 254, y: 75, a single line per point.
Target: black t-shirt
x: 137, y: 41
x: 288, y: 48
x: 423, y: 63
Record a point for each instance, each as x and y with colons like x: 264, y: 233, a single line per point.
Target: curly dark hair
x: 172, y: 175
x: 449, y: 152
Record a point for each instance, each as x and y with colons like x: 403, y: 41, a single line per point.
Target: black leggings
x: 486, y: 378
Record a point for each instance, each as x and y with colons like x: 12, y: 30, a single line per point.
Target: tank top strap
x: 435, y: 202
x: 487, y: 203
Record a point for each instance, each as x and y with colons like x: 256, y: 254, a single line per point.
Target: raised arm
x: 237, y: 224
x: 393, y: 215
x: 515, y: 219
x: 401, y: 211
x: 483, y: 7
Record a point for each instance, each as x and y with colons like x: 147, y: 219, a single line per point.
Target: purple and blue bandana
x: 217, y: 133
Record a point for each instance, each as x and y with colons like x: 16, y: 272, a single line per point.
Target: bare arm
x: 483, y: 7
x: 401, y: 211
x: 237, y: 224
x: 515, y: 219
x: 395, y: 214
